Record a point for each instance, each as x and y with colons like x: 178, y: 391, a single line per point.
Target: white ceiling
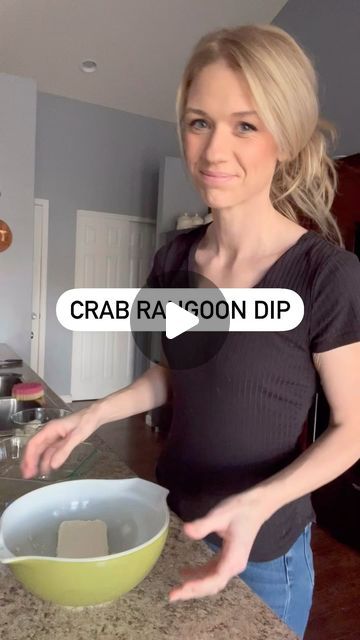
x: 140, y: 46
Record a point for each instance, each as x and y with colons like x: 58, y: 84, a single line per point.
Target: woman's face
x: 230, y: 154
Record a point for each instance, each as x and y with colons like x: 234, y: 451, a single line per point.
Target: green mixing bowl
x: 137, y: 519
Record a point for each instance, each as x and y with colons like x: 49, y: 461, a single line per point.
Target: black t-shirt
x: 238, y: 418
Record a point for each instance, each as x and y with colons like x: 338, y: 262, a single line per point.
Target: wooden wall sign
x: 5, y: 236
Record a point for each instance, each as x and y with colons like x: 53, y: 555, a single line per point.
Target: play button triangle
x: 178, y: 320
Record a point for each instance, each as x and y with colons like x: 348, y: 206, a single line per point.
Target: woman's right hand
x: 49, y: 448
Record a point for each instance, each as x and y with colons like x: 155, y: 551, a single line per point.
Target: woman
x: 249, y: 128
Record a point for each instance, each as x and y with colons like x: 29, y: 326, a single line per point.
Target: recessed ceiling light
x: 88, y: 66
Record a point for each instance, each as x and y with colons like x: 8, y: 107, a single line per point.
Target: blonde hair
x: 283, y: 83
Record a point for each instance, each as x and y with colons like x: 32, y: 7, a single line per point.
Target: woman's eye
x: 245, y: 127
x: 198, y: 124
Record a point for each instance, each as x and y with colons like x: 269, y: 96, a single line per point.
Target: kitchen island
x: 144, y: 613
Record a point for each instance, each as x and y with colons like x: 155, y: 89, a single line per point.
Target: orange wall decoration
x: 5, y: 236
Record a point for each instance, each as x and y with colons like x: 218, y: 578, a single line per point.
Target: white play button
x: 168, y: 330
x: 178, y: 320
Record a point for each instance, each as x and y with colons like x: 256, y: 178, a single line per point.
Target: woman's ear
x: 282, y: 156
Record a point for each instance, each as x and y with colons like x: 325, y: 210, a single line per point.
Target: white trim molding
x: 87, y: 212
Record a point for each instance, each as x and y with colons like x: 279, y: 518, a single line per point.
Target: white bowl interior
x: 134, y: 511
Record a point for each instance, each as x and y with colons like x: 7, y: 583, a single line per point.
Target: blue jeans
x: 285, y: 584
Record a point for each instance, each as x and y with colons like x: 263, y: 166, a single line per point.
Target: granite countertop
x: 144, y: 613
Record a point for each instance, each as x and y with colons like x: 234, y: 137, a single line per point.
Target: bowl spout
x: 153, y: 493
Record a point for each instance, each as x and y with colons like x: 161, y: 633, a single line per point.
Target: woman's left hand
x: 237, y: 521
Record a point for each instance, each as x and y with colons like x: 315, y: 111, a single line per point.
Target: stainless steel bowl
x: 42, y: 415
x: 10, y: 406
x: 7, y: 381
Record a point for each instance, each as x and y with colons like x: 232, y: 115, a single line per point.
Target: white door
x: 111, y: 251
x: 142, y: 246
x: 38, y: 315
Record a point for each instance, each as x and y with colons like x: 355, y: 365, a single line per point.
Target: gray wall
x: 329, y: 30
x: 89, y: 157
x: 17, y: 165
x: 176, y: 195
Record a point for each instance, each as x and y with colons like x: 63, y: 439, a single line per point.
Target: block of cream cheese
x: 82, y: 539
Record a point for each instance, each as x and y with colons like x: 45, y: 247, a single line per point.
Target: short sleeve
x: 153, y: 280
x: 170, y: 262
x: 335, y: 307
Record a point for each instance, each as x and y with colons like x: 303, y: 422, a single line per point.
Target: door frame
x: 87, y: 213
x: 41, y: 234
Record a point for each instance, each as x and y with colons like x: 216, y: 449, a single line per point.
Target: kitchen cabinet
x: 346, y: 205
x: 337, y: 504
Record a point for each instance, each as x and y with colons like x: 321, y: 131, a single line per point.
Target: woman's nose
x: 217, y: 148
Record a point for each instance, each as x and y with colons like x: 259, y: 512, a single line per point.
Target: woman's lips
x: 210, y: 177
